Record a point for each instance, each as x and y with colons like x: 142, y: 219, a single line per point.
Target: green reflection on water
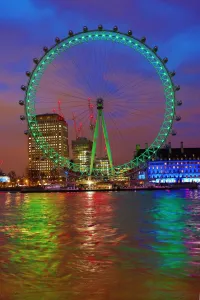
x: 33, y: 239
x: 169, y: 218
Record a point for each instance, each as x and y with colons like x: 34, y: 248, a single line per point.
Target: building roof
x: 53, y: 115
x: 81, y: 140
x: 176, y: 153
x: 47, y: 114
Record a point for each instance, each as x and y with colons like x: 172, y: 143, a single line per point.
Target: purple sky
x: 24, y: 29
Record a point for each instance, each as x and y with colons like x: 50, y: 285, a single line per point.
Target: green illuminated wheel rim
x: 86, y: 36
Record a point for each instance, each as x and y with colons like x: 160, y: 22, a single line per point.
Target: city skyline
x: 173, y: 27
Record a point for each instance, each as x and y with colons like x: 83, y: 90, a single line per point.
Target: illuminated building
x: 103, y: 165
x: 174, y: 165
x: 81, y: 149
x: 4, y: 179
x: 123, y: 176
x: 55, y: 130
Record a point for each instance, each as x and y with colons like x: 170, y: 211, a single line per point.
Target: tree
x: 13, y: 177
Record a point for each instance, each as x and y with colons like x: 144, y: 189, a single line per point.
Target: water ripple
x: 125, y: 245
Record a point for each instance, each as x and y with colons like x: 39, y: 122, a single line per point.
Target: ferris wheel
x: 119, y: 87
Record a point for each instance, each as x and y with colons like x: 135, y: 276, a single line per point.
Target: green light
x: 169, y: 217
x: 122, y: 38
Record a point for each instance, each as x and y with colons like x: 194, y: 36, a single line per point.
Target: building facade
x: 55, y: 130
x: 81, y: 150
x: 173, y: 165
x: 103, y: 165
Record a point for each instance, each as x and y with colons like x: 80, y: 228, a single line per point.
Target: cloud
x: 188, y: 45
x: 26, y: 27
x: 22, y: 11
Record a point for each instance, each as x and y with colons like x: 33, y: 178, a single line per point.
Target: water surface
x: 100, y: 245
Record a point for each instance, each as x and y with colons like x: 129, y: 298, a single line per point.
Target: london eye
x: 112, y: 89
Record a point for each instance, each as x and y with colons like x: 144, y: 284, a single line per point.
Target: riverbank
x: 65, y: 190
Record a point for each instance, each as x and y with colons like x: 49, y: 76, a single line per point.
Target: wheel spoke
x: 119, y: 106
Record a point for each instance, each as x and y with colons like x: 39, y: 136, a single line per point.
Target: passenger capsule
x: 130, y: 32
x: 22, y: 117
x: 155, y: 49
x: 36, y: 60
x: 100, y: 27
x: 179, y: 102
x: 172, y: 74
x: 45, y: 49
x: 21, y: 102
x: 57, y: 40
x: 85, y: 28
x: 143, y: 39
x: 165, y: 60
x: 23, y: 87
x: 71, y: 33
x: 177, y: 87
x: 26, y: 132
x: 115, y: 28
x: 178, y: 118
x: 174, y: 132
x: 28, y: 74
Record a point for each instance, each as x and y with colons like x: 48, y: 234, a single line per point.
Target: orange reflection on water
x: 99, y: 246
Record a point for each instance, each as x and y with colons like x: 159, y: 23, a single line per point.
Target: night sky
x: 26, y: 27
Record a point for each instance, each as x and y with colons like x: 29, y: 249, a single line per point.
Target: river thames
x: 100, y: 245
